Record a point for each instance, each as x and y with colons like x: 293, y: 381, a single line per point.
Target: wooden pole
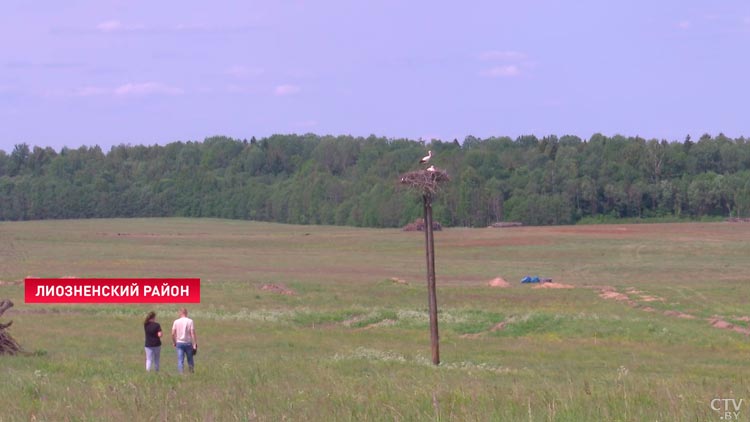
x: 430, y: 250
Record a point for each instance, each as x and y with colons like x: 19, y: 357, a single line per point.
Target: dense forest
x: 344, y: 180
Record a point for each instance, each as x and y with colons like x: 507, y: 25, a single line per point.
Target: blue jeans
x: 184, y: 349
x: 152, y: 358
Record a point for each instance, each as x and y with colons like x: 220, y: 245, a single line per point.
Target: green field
x: 351, y: 344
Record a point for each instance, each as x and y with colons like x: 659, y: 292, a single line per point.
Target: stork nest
x: 424, y: 181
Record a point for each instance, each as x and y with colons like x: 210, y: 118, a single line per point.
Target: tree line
x: 345, y: 180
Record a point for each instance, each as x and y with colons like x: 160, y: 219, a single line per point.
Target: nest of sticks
x: 425, y: 181
x: 8, y: 346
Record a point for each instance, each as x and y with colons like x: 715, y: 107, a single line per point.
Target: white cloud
x: 501, y: 55
x: 283, y: 90
x: 685, y: 24
x: 126, y: 90
x: 192, y: 27
x: 507, y: 63
x: 146, y: 88
x: 109, y: 26
x: 239, y: 71
x: 117, y: 26
x: 507, y: 71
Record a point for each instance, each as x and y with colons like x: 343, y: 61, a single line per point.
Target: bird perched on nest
x: 426, y: 158
x: 431, y: 168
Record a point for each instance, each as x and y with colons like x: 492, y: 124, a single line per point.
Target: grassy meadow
x: 351, y: 344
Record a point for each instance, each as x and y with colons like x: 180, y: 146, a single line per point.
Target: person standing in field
x: 184, y: 340
x: 153, y: 341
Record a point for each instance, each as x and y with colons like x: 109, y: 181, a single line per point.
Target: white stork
x: 431, y: 168
x: 426, y: 158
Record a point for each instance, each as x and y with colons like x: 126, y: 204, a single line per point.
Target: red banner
x: 112, y: 290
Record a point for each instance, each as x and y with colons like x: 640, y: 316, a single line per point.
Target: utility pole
x: 426, y: 183
x: 429, y: 241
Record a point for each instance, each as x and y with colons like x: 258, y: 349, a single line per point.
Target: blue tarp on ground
x: 529, y: 279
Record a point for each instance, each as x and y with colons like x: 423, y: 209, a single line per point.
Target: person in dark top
x: 153, y: 341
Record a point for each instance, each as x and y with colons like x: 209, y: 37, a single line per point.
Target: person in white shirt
x: 184, y: 340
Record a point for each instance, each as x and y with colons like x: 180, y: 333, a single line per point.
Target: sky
x: 110, y: 72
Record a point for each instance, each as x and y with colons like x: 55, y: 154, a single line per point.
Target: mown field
x: 635, y: 339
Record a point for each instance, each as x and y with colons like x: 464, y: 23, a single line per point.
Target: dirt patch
x: 614, y: 295
x: 278, y: 288
x: 396, y: 280
x: 553, y: 285
x: 498, y: 282
x: 720, y: 323
x: 717, y: 321
x: 499, y: 326
x: 633, y: 291
x: 678, y: 314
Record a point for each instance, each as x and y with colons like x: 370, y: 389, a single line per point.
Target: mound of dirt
x: 612, y: 294
x: 720, y: 323
x: 499, y: 326
x: 278, y: 288
x: 553, y: 285
x: 678, y: 314
x: 498, y: 282
x: 634, y: 291
x: 647, y: 298
x: 419, y: 225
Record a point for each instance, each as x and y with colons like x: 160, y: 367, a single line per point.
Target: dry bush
x: 8, y: 346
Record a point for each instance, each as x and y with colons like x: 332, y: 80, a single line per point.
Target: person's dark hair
x: 151, y: 315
